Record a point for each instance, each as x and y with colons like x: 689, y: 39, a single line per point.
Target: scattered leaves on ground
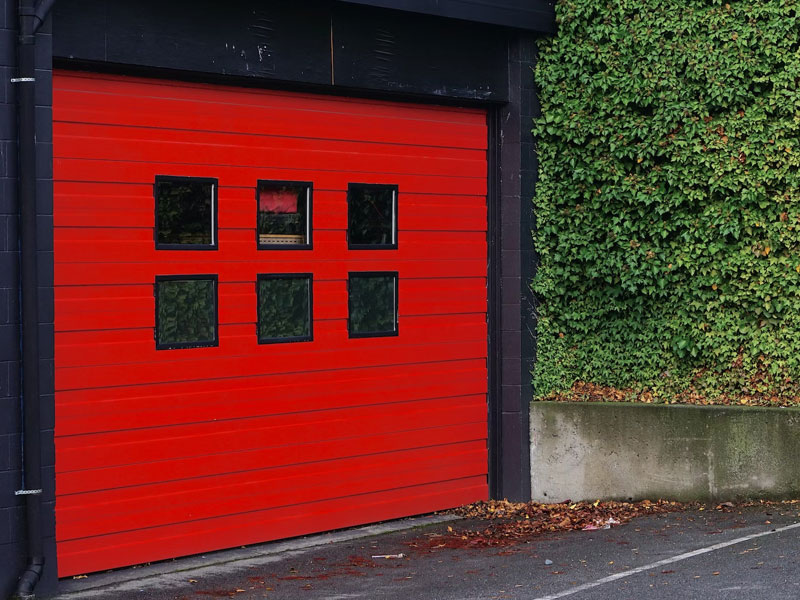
x: 513, y: 522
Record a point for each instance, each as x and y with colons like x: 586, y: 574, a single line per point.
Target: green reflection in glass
x: 185, y: 212
x: 283, y: 308
x: 186, y: 312
x: 370, y: 215
x: 373, y: 307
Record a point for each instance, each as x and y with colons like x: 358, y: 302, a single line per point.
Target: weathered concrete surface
x: 585, y: 451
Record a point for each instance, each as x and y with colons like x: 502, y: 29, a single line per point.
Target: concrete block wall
x: 12, y: 509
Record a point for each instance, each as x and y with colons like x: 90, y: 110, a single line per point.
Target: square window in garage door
x: 186, y: 213
x: 186, y: 311
x: 372, y: 304
x: 371, y: 216
x: 284, y: 215
x: 284, y: 307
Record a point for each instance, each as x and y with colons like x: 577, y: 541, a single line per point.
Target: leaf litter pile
x: 511, y: 523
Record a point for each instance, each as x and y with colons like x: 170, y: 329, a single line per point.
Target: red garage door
x: 270, y: 315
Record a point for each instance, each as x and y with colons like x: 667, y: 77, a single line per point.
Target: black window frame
x: 372, y: 334
x: 281, y: 340
x: 193, y: 277
x: 309, y: 245
x: 214, y: 212
x: 395, y: 230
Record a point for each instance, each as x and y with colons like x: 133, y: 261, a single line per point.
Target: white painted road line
x: 661, y: 563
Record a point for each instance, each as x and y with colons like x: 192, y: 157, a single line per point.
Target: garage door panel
x: 106, y: 217
x: 237, y: 305
x: 97, y: 450
x: 186, y: 391
x: 273, y: 115
x: 124, y: 509
x: 136, y: 346
x: 439, y: 240
x: 89, y: 480
x: 99, y: 314
x: 357, y: 357
x: 81, y: 134
x: 98, y: 245
x: 420, y: 328
x: 134, y: 306
x: 90, y: 451
x: 238, y: 341
x: 114, y: 205
x: 269, y: 400
x: 232, y: 96
x: 248, y: 528
x: 431, y: 217
x: 72, y: 274
x: 469, y: 215
x: 266, y: 121
x: 325, y: 478
x: 130, y: 407
x: 167, y: 452
x: 101, y: 171
x: 108, y: 195
x: 206, y: 150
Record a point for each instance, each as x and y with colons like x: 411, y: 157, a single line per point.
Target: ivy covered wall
x: 668, y: 204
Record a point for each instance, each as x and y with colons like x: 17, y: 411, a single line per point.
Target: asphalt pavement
x: 748, y: 553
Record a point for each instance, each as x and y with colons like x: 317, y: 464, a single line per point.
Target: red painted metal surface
x: 162, y: 453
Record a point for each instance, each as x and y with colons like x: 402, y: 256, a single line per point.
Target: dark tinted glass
x: 371, y: 215
x: 373, y: 304
x: 186, y: 312
x: 283, y: 213
x: 185, y: 212
x: 284, y: 308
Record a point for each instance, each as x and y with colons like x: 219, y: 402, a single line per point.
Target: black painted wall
x: 13, y: 550
x: 344, y: 48
x: 398, y: 52
x: 517, y: 179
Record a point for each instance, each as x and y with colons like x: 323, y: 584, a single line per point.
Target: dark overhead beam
x: 531, y: 15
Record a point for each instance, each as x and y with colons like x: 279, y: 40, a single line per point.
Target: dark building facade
x: 423, y: 105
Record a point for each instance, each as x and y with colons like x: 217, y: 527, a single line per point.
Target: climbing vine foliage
x: 668, y: 205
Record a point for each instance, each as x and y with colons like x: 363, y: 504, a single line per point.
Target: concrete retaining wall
x: 636, y: 451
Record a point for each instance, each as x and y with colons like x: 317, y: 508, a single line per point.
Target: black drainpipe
x: 31, y: 16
